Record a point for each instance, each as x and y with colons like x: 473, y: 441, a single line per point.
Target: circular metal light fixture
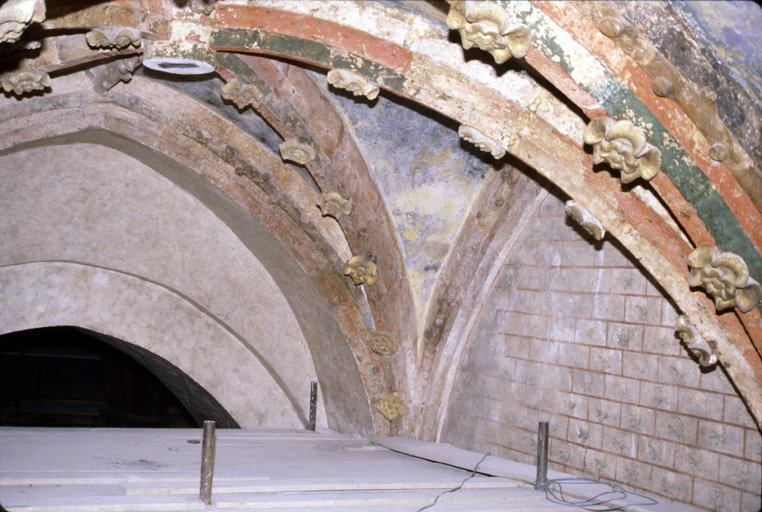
x: 184, y: 53
x: 178, y: 66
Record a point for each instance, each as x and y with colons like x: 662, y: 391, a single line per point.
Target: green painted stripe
x: 243, y: 71
x: 232, y: 62
x: 311, y: 51
x: 677, y: 163
x: 616, y: 98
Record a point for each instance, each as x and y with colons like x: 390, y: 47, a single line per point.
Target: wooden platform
x: 142, y: 470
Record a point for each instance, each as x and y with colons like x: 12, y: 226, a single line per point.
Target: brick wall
x: 574, y: 333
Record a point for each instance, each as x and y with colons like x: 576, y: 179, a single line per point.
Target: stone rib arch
x: 341, y: 389
x: 47, y: 294
x: 418, y: 74
x: 297, y: 107
x: 536, y: 109
x: 416, y: 64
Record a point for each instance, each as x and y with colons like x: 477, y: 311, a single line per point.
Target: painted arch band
x: 419, y: 75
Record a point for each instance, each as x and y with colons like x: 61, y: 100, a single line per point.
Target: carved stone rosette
x: 361, y: 270
x: 481, y: 141
x: 486, y: 25
x: 241, y: 94
x: 25, y: 81
x: 725, y: 277
x: 114, y: 37
x: 334, y: 205
x: 695, y: 343
x: 17, y: 15
x: 391, y: 406
x: 354, y: 83
x: 623, y: 146
x: 296, y: 152
x: 585, y: 219
x: 117, y: 71
x: 383, y: 343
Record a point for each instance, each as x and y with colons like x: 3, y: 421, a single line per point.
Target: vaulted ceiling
x: 424, y: 213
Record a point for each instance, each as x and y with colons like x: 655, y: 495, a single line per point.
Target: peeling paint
x: 620, y: 102
x: 427, y: 176
x: 306, y: 50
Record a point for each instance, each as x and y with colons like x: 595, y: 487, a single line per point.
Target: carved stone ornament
x: 296, y: 152
x: 662, y: 87
x: 623, y: 146
x: 334, y: 205
x: 695, y: 343
x: 361, y: 271
x: 23, y: 46
x: 205, y: 7
x: 585, y: 219
x: 25, y: 81
x: 611, y: 26
x: 117, y: 71
x: 17, y: 15
x: 114, y: 37
x: 241, y: 94
x: 725, y: 277
x: 718, y: 152
x: 383, y: 343
x: 482, y: 142
x: 354, y: 83
x: 391, y: 406
x: 486, y: 25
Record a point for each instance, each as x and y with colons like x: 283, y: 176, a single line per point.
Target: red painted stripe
x: 690, y: 137
x: 670, y: 115
x: 314, y: 29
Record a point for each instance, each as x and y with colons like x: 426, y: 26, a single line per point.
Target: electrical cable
x: 469, y: 477
x: 601, y: 502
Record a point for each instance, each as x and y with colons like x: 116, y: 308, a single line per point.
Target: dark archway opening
x: 72, y: 377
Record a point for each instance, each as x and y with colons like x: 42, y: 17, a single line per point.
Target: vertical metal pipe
x: 207, y: 462
x: 313, y: 405
x: 542, y: 455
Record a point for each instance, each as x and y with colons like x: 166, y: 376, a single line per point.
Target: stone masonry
x: 573, y: 333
